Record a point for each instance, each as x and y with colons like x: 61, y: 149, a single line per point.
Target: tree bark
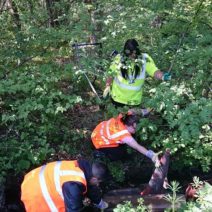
x: 13, y: 10
x: 53, y: 13
x: 2, y: 5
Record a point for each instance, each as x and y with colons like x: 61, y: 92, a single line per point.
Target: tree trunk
x: 53, y: 13
x: 2, y: 5
x: 95, y: 23
x: 13, y: 10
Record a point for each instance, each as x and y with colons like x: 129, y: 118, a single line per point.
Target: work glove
x: 166, y: 183
x: 166, y: 76
x: 102, y: 205
x: 140, y: 112
x: 106, y: 92
x: 145, y: 112
x: 86, y: 201
x: 154, y: 157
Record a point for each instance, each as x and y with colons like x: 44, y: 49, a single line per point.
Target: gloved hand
x: 102, y: 205
x: 140, y: 112
x: 146, y: 111
x: 86, y: 201
x: 156, y: 161
x: 166, y: 76
x: 154, y: 157
x: 166, y: 183
x: 106, y: 92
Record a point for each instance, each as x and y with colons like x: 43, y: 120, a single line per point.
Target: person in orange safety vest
x: 109, y: 136
x: 62, y: 185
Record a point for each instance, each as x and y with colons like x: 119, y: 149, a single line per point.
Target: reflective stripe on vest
x: 143, y: 73
x: 140, y: 76
x: 128, y: 87
x: 57, y: 175
x: 107, y: 142
x: 106, y: 126
x: 45, y: 192
x: 115, y: 135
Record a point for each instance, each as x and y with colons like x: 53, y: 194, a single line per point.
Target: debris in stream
x: 156, y: 183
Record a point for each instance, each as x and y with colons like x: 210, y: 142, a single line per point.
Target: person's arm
x: 144, y: 112
x: 109, y: 81
x: 113, y: 69
x: 153, y: 71
x: 94, y: 194
x: 107, y: 88
x: 158, y: 75
x: 73, y: 196
x: 130, y: 141
x: 165, y: 76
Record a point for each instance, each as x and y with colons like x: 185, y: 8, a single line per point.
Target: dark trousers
x: 117, y: 104
x: 112, y: 153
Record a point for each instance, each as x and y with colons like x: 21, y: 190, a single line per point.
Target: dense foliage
x: 42, y: 82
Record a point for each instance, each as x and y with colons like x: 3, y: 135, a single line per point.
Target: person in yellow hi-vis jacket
x: 128, y: 71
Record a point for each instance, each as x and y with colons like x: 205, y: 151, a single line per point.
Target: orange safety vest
x: 109, y: 133
x: 42, y: 187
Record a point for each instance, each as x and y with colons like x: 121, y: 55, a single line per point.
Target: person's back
x: 108, y: 134
x: 61, y: 185
x: 44, y: 185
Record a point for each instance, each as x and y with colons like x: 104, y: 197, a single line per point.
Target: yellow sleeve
x: 151, y: 68
x: 115, y: 66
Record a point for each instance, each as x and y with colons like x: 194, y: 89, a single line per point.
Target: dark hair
x: 129, y: 120
x: 100, y: 170
x: 130, y: 46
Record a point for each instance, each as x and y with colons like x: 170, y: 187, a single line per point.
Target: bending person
x: 62, y: 185
x: 109, y: 138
